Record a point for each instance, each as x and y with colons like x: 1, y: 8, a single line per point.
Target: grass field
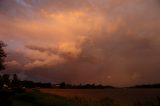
x: 41, y: 98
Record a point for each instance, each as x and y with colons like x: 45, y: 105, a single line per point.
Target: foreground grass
x: 41, y: 99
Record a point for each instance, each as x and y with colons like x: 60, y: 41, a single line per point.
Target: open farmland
x: 122, y: 96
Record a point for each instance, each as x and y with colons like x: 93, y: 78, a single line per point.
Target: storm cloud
x: 113, y: 42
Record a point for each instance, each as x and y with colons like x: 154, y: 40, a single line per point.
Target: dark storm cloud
x: 83, y: 41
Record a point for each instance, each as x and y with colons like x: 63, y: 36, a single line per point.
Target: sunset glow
x: 114, y: 42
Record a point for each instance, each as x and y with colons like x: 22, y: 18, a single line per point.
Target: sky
x: 113, y: 42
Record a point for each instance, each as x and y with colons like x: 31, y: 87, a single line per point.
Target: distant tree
x: 62, y: 85
x: 15, y: 81
x: 5, y: 79
x: 2, y: 55
x: 15, y: 77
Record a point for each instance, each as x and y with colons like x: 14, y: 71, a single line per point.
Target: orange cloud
x: 82, y: 40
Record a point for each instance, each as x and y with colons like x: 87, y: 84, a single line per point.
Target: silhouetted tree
x: 15, y: 81
x: 62, y: 85
x: 2, y: 55
x: 5, y: 79
x: 5, y: 94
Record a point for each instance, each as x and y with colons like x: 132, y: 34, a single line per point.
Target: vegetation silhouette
x: 5, y: 94
x: 147, y: 86
x: 64, y: 85
x: 2, y: 55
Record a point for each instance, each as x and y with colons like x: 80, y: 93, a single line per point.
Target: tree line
x: 15, y: 83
